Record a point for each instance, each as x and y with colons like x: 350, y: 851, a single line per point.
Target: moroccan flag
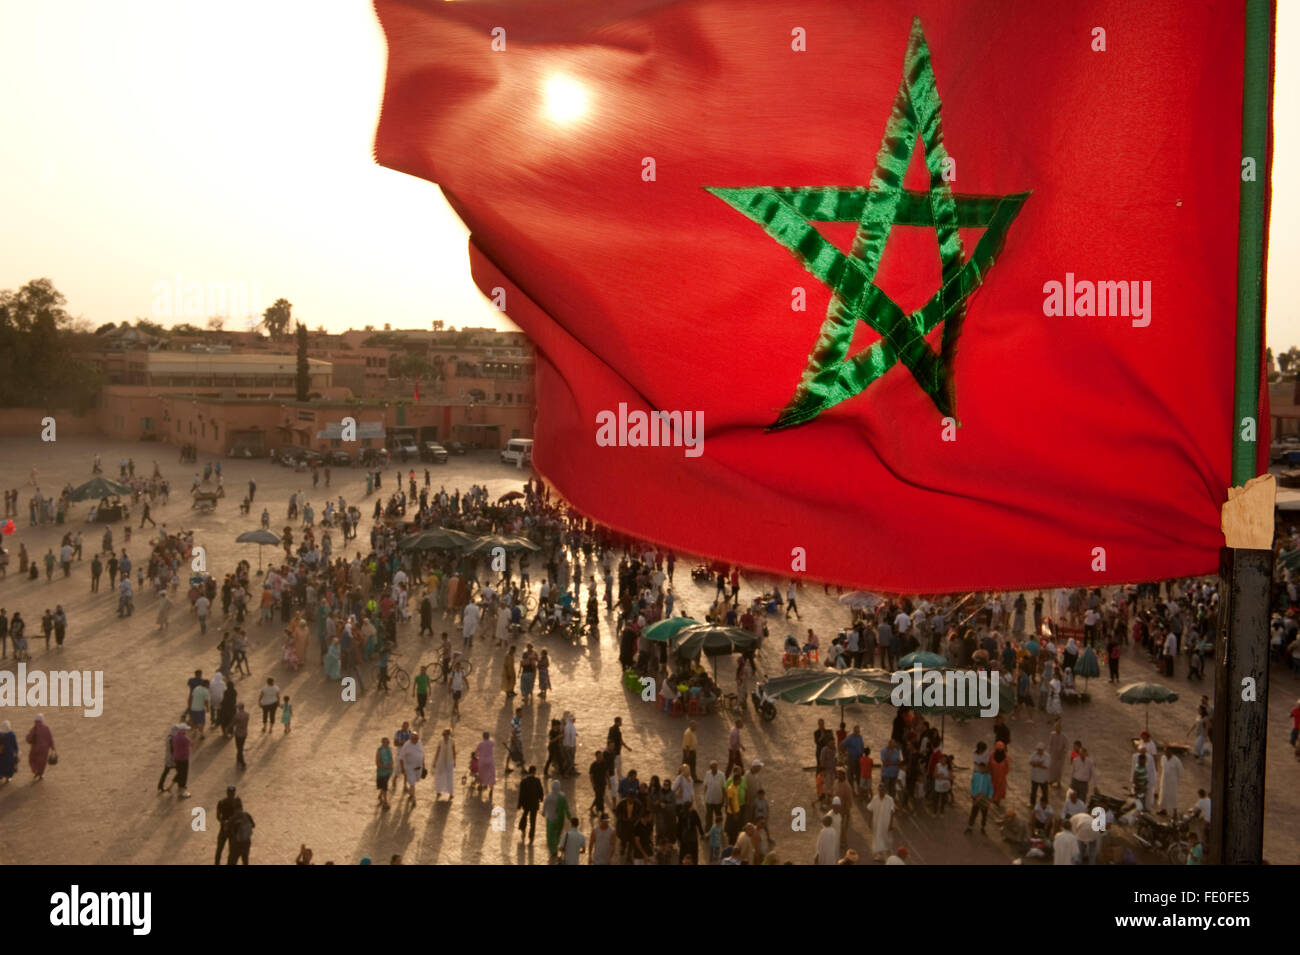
x: 920, y: 296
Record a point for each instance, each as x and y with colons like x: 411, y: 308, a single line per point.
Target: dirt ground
x: 99, y: 805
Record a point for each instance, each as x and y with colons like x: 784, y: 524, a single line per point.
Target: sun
x: 564, y: 99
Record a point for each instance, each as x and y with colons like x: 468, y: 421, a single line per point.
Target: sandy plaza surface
x: 316, y: 786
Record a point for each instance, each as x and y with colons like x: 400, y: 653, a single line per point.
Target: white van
x: 518, y: 451
x: 405, y: 448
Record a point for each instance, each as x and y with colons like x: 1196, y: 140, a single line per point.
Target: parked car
x: 289, y: 456
x: 518, y: 451
x: 433, y: 451
x: 405, y: 448
x: 338, y: 458
x: 312, y: 458
x: 374, y: 456
x: 455, y: 447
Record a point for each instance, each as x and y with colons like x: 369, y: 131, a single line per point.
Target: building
x: 475, y: 387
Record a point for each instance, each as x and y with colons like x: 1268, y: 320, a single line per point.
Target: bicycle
x: 467, y: 667
x: 530, y: 603
x: 396, y: 673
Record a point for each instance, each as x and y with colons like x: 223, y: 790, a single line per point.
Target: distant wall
x: 26, y: 423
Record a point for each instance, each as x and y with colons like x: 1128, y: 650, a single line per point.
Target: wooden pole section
x: 1240, y: 730
x: 1240, y: 725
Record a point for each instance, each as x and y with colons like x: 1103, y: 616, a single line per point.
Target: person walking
x: 226, y: 811
x: 200, y: 698
x: 8, y: 752
x: 60, y: 625
x: 269, y: 700
x: 383, y: 770
x: 1082, y: 773
x: 598, y: 773
x: 411, y: 761
x: 421, y: 691
x: 508, y: 675
x: 241, y: 733
x: 169, y: 761
x: 444, y: 768
x: 201, y: 607
x: 41, y: 751
x: 226, y: 715
x: 485, y: 759
x: 715, y: 793
x: 556, y: 812
x: 241, y: 836
x: 1038, y: 773
x: 181, y: 747
x: 690, y: 749
x: 530, y: 801
x: 981, y: 787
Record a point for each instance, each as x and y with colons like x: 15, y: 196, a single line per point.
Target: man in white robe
x: 882, y: 819
x: 411, y: 759
x: 1171, y: 773
x: 828, y: 843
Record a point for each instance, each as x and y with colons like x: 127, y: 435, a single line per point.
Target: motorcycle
x: 764, y: 705
x: 1167, y: 837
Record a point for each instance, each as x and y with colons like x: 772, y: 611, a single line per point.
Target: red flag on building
x: 923, y: 296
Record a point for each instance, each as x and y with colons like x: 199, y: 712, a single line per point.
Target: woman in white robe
x: 444, y: 767
x: 1171, y: 773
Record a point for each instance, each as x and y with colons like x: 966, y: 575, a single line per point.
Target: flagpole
x: 1236, y: 831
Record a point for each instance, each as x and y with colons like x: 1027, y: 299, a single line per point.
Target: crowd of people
x: 563, y: 576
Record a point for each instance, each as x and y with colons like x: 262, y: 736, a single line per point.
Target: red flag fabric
x: 770, y: 218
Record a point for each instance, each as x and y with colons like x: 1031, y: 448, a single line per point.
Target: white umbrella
x: 862, y: 600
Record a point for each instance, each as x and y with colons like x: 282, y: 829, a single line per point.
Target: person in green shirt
x: 421, y: 691
x: 1196, y: 854
x: 383, y: 770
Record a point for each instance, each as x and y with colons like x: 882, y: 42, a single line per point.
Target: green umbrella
x: 486, y: 544
x: 713, y: 641
x: 919, y: 658
x: 97, y: 488
x: 1146, y: 694
x: 1087, y: 666
x: 435, y: 538
x: 259, y: 537
x: 968, y: 710
x: 830, y: 687
x: 663, y: 631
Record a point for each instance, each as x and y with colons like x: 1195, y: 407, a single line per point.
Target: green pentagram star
x: 786, y: 215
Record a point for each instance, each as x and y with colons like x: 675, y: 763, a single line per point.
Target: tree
x: 304, y: 378
x: 37, y: 367
x: 408, y: 365
x: 276, y: 318
x: 216, y: 323
x: 1289, y: 361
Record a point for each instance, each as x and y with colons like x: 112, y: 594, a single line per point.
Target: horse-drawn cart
x: 206, y: 499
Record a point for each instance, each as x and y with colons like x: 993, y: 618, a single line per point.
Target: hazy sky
x: 228, y: 144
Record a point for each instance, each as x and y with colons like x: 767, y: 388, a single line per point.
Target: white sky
x: 229, y: 144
